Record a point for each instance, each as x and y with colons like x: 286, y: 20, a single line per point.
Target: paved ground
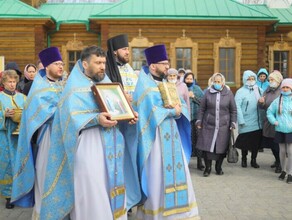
x: 241, y: 193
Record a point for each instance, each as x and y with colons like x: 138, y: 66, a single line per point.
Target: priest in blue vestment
x: 10, y: 101
x: 35, y: 130
x: 91, y: 173
x: 164, y: 146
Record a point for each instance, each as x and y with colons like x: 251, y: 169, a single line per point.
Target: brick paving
x: 240, y: 194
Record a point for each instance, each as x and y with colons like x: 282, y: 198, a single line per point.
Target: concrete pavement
x: 240, y: 194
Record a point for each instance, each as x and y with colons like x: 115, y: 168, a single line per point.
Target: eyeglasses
x: 165, y: 64
x: 59, y: 64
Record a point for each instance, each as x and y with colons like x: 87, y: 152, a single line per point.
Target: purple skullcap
x: 50, y: 55
x: 156, y: 54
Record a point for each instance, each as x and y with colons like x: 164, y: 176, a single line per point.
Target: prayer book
x: 169, y: 94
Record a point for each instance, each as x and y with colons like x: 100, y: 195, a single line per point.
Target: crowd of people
x: 70, y: 160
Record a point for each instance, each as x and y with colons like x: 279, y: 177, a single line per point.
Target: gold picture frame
x: 112, y: 99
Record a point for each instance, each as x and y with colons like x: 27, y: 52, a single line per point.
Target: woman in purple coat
x: 217, y: 115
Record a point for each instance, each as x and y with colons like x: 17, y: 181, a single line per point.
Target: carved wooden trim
x: 228, y: 42
x: 279, y: 46
x: 139, y: 42
x: 185, y: 42
x: 72, y: 45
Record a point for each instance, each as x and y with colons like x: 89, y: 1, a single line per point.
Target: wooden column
x: 261, y: 47
x: 104, y: 35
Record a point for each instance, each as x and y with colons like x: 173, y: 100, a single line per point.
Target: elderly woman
x: 217, y: 115
x: 172, y: 77
x: 249, y: 118
x: 9, y: 100
x: 271, y: 93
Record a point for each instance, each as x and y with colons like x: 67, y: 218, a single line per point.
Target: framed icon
x: 112, y: 99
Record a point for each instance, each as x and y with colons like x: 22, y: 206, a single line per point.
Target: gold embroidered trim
x: 76, y: 113
x: 56, y: 178
x: 119, y: 213
x: 36, y: 113
x: 168, y: 212
x: 5, y: 182
x: 148, y: 121
x: 176, y: 188
x: 117, y: 191
x: 35, y: 215
x: 84, y: 89
x: 28, y: 101
x: 22, y: 166
x: 145, y: 93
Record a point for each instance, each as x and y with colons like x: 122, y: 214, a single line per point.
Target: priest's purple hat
x: 50, y: 55
x: 156, y: 54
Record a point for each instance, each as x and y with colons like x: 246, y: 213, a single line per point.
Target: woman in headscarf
x: 249, y: 118
x: 272, y: 92
x: 30, y: 71
x: 217, y: 115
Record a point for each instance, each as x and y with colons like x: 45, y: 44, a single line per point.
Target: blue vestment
x: 8, y: 141
x: 39, y: 109
x: 175, y: 142
x: 78, y: 110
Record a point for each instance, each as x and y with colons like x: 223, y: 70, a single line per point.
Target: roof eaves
x: 58, y: 24
x: 178, y: 17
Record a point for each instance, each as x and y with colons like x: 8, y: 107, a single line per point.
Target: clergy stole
x: 114, y: 157
x: 176, y: 191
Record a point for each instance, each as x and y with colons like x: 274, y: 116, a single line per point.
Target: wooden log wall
x: 251, y: 37
x: 20, y: 41
x: 66, y: 34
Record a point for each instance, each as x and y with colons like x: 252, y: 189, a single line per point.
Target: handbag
x: 232, y: 153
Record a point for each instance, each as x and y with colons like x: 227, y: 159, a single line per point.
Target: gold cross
x: 184, y: 33
x: 227, y: 33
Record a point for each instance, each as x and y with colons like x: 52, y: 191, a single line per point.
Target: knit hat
x: 182, y: 70
x: 50, y: 55
x: 277, y: 76
x: 156, y: 54
x: 287, y: 82
x: 172, y: 71
x: 13, y: 66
